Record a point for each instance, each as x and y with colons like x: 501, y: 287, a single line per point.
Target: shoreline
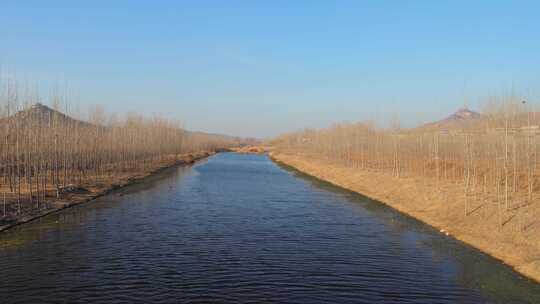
x: 79, y: 199
x: 405, y: 203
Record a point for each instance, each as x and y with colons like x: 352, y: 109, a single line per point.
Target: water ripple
x: 239, y: 229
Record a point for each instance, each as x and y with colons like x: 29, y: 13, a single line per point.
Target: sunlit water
x: 238, y: 228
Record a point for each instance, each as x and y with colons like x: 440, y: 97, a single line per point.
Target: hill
x: 44, y: 117
x: 461, y: 118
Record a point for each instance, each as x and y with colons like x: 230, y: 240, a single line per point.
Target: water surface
x: 240, y: 229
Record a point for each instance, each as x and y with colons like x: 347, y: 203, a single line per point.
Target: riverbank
x: 89, y: 191
x: 251, y: 149
x: 443, y: 210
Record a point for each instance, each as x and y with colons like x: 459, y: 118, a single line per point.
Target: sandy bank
x: 93, y: 191
x: 443, y: 210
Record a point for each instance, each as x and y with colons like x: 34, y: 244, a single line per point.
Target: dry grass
x: 19, y: 212
x: 516, y: 241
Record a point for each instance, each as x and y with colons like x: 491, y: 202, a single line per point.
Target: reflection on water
x: 465, y: 264
x: 239, y: 228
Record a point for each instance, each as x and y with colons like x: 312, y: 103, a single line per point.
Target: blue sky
x: 260, y: 68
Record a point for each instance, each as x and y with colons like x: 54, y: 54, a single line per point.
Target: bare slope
x: 462, y: 117
x: 443, y: 210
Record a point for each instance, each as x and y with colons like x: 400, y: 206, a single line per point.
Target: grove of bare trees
x: 44, y: 152
x: 493, y: 159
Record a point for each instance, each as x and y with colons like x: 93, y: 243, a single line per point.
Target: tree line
x: 493, y: 158
x: 43, y: 151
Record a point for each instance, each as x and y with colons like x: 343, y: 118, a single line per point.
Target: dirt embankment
x: 444, y: 210
x: 251, y: 150
x: 78, y: 194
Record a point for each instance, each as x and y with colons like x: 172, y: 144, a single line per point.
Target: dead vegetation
x: 249, y: 150
x: 479, y: 179
x: 48, y: 156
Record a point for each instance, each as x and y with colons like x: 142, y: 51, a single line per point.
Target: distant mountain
x: 200, y: 133
x: 460, y: 115
x: 460, y: 118
x: 44, y: 117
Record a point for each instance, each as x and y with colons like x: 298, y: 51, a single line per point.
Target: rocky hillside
x: 44, y: 117
x: 460, y: 118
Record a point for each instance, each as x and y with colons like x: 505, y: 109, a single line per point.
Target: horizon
x: 75, y: 116
x: 264, y: 69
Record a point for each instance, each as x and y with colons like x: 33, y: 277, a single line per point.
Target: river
x: 241, y: 229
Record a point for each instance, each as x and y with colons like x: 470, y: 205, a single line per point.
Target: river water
x: 241, y: 229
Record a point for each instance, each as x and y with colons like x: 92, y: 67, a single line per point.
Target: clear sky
x: 260, y: 68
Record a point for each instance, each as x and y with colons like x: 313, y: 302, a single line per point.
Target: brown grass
x: 83, y: 192
x: 513, y: 238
